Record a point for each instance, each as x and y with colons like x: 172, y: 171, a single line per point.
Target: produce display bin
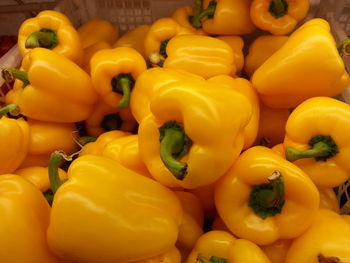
x: 127, y: 14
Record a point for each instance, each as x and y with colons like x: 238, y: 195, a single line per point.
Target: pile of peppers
x: 179, y: 141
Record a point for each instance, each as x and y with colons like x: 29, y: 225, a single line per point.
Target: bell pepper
x: 90, y: 51
x: 278, y: 250
x: 244, y: 87
x: 52, y: 30
x: 107, y: 118
x: 262, y: 194
x: 176, y: 149
x: 328, y: 199
x: 205, y: 195
x: 236, y: 43
x: 183, y: 17
x: 171, y: 256
x: 316, y: 140
x: 222, y: 247
x: 223, y: 17
x: 101, y: 190
x: 260, y: 50
x: 327, y: 240
x: 279, y: 17
x: 46, y: 80
x: 190, y: 53
x: 297, y: 70
x: 159, y: 35
x: 272, y: 125
x: 114, y: 72
x: 14, y: 140
x: 24, y: 220
x: 346, y: 218
x: 96, y: 30
x: 135, y: 39
x: 148, y: 84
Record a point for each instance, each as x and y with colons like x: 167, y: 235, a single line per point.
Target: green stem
x: 209, y: 12
x: 49, y: 196
x: 198, y: 7
x: 344, y: 47
x: 86, y: 139
x: 45, y: 38
x: 174, y: 143
x: 162, y: 48
x: 322, y: 259
x: 57, y: 159
x: 13, y: 109
x: 213, y: 259
x: 10, y: 74
x: 278, y: 8
x: 123, y: 84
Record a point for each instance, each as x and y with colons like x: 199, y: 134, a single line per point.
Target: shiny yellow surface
x: 90, y: 51
x: 53, y: 80
x: 277, y: 251
x: 109, y: 63
x: 163, y: 29
x: 230, y: 18
x: 307, y: 65
x: 263, y: 19
x: 134, y: 38
x: 246, y: 251
x: 47, y: 137
x: 328, y: 199
x: 182, y: 17
x: 328, y: 235
x: 171, y: 256
x: 252, y: 168
x: 201, y: 55
x: 69, y: 44
x: 260, y: 50
x: 321, y: 116
x: 14, y: 142
x: 24, y: 217
x: 236, y: 43
x: 104, y: 206
x: 244, y: 87
x: 207, y: 113
x: 96, y: 30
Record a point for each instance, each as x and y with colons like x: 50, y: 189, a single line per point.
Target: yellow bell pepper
x: 346, y: 218
x: 46, y: 137
x: 171, y: 256
x: 222, y: 247
x: 223, y: 17
x: 279, y: 17
x: 236, y: 43
x: 183, y: 16
x: 159, y: 35
x: 190, y: 53
x: 148, y: 84
x: 262, y: 194
x: 326, y: 241
x: 192, y: 131
x: 90, y: 51
x: 113, y: 73
x: 297, y: 70
x: 278, y: 250
x: 316, y: 140
x: 24, y: 219
x: 103, y: 191
x: 260, y: 50
x: 244, y: 87
x: 96, y: 30
x: 14, y: 140
x: 46, y: 80
x: 135, y: 39
x: 205, y: 194
x: 328, y: 199
x: 52, y: 30
x: 272, y: 125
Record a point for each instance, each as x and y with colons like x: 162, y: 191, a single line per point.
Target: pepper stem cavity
x: 13, y: 109
x: 123, y: 83
x: 57, y: 159
x: 213, y: 259
x: 86, y: 139
x: 268, y: 199
x: 209, y: 12
x: 344, y: 47
x: 10, y: 74
x: 278, y: 8
x: 322, y: 148
x: 174, y: 144
x: 322, y: 259
x: 45, y: 38
x: 156, y: 59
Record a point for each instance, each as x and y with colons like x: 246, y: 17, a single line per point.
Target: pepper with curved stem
x: 13, y: 109
x: 57, y: 159
x: 123, y: 84
x: 322, y: 259
x: 344, y: 47
x: 208, y: 12
x: 213, y: 259
x: 10, y: 74
x: 45, y: 38
x: 278, y: 8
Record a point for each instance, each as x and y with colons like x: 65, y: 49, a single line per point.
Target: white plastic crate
x: 127, y: 14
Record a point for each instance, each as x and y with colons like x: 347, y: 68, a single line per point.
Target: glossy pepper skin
x: 52, y: 79
x: 164, y: 135
x: 326, y: 240
x: 221, y: 246
x: 190, y: 53
x: 262, y: 194
x: 260, y: 50
x: 95, y: 30
x: 317, y: 130
x: 171, y: 256
x: 290, y: 76
x: 328, y: 199
x: 279, y: 17
x: 113, y: 73
x: 236, y: 43
x: 244, y: 87
x: 148, y: 83
x: 90, y: 51
x: 101, y: 190
x: 183, y: 16
x: 135, y: 39
x: 278, y: 250
x: 53, y: 30
x: 24, y: 220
